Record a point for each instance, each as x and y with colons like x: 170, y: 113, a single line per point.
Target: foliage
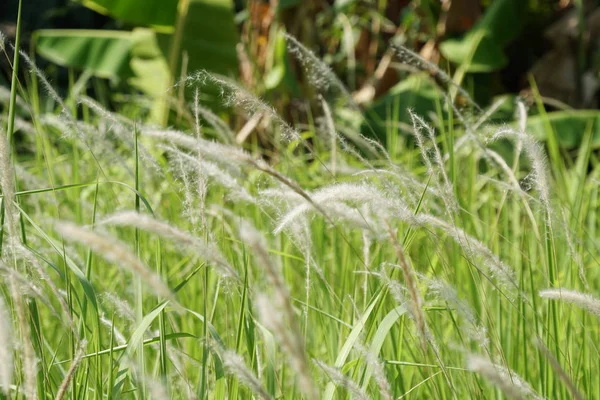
x: 306, y: 260
x: 152, y: 59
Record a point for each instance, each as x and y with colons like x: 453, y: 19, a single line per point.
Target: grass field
x: 141, y: 262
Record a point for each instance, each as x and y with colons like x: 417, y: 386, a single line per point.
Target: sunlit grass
x: 147, y: 262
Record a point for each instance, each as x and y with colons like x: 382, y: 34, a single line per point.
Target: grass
x: 153, y: 263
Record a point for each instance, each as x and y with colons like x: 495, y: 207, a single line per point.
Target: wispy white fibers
x: 209, y: 149
x: 207, y: 251
x: 276, y: 311
x: 12, y: 238
x: 235, y: 95
x: 410, y: 279
x: 585, y: 301
x: 119, y: 337
x: 64, y: 386
x: 234, y: 156
x: 410, y: 187
x: 235, y: 365
x: 332, y: 199
x: 522, y: 112
x: 280, y: 198
x: 156, y: 389
x: 410, y: 57
x: 215, y: 172
x: 322, y: 77
x: 6, y: 350
x: 29, y: 258
x: 49, y: 89
x: 332, y: 135
x: 511, y: 384
x: 119, y: 306
x: 447, y: 293
x: 319, y: 74
x: 474, y: 249
x: 562, y: 374
x: 123, y: 129
x: 7, y: 185
x: 196, y: 109
x: 378, y: 369
x: 195, y: 186
x: 448, y: 193
x: 539, y: 167
x: 221, y: 128
x: 342, y: 380
x: 115, y: 252
x: 386, y: 208
x: 71, y: 125
x: 26, y: 287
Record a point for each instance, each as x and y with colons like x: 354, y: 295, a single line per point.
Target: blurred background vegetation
x: 129, y: 53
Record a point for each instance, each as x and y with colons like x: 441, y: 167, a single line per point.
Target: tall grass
x: 426, y: 271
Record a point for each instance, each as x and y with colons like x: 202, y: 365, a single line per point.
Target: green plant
x: 186, y: 267
x: 169, y: 39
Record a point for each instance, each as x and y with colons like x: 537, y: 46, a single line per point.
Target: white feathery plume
x: 562, y: 374
x: 64, y: 386
x: 511, y: 384
x: 234, y: 94
x: 116, y: 252
x: 342, y: 380
x: 585, y: 301
x: 213, y: 170
x: 7, y: 185
x: 6, y: 350
x: 234, y: 364
x: 447, y: 293
x: 539, y: 165
x: 277, y: 312
x: 207, y: 251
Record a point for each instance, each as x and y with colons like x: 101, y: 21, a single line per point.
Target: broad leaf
x: 106, y: 54
x: 482, y: 48
x: 150, y: 67
x: 160, y: 13
x: 209, y: 37
x: 141, y: 57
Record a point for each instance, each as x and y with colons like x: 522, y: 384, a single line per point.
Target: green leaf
x: 151, y: 69
x: 481, y: 52
x: 138, y: 335
x: 482, y: 48
x: 160, y: 13
x: 209, y: 38
x: 88, y: 289
x: 281, y: 75
x: 377, y: 343
x: 570, y: 127
x: 348, y: 345
x: 107, y: 54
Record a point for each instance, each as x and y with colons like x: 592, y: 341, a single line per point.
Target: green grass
x: 335, y: 280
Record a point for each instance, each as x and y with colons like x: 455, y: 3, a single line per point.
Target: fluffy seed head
x: 585, y: 301
x: 235, y: 365
x: 506, y: 380
x: 339, y: 378
x: 208, y: 251
x: 116, y: 252
x: 6, y: 350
